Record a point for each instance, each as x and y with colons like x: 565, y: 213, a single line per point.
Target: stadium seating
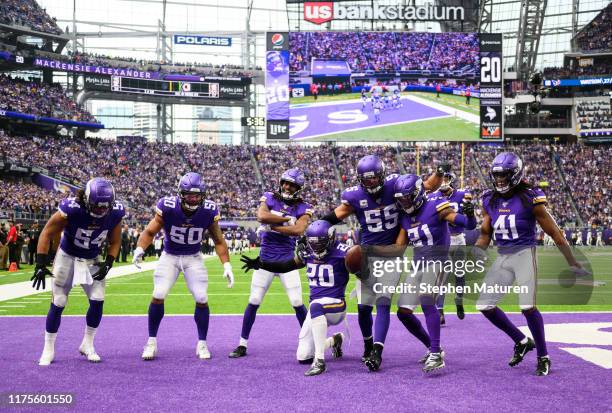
x: 594, y: 114
x: 597, y: 35
x: 40, y: 99
x: 29, y: 14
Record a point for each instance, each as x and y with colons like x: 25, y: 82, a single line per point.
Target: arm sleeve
x: 280, y: 266
x: 465, y: 222
x: 331, y: 218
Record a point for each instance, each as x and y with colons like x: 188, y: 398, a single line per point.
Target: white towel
x: 82, y: 275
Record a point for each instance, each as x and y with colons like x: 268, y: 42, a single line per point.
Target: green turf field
x: 131, y: 294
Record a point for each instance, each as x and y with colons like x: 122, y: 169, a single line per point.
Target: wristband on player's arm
x: 42, y: 260
x: 332, y: 218
x: 110, y: 260
x: 465, y: 222
x: 280, y: 266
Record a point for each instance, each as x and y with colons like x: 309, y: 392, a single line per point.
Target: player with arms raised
x: 184, y: 219
x: 84, y: 224
x: 323, y: 258
x: 456, y: 198
x: 374, y: 206
x: 510, y: 214
x: 425, y: 222
x: 284, y: 216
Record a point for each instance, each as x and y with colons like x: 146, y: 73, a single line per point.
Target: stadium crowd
x: 594, y: 114
x: 597, y: 35
x: 380, y: 51
x: 27, y: 13
x: 40, y: 99
x: 235, y: 184
x: 602, y: 68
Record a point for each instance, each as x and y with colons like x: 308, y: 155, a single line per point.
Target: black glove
x: 250, y: 263
x: 103, y: 268
x: 40, y: 272
x: 301, y: 248
x: 468, y: 209
x: 443, y: 167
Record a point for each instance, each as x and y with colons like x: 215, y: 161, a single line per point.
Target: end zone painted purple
x: 319, y: 123
x: 477, y: 376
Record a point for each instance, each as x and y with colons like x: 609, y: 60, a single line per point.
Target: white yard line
x: 447, y: 109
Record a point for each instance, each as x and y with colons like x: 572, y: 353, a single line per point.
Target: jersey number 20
x: 320, y: 275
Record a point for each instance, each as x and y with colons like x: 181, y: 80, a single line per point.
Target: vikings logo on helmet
x: 371, y: 173
x: 99, y: 197
x: 191, y: 191
x: 506, y: 171
x: 409, y: 193
x: 295, y: 177
x: 320, y: 237
x: 275, y: 64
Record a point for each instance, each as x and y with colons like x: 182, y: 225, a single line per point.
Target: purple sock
x: 381, y: 327
x: 432, y: 318
x: 501, y: 321
x: 364, y: 314
x: 54, y: 318
x: 201, y: 316
x: 156, y: 313
x: 248, y: 320
x: 440, y: 301
x: 300, y: 313
x: 94, y: 313
x: 413, y: 324
x: 536, y: 326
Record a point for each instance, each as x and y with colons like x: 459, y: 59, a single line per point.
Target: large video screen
x: 387, y: 86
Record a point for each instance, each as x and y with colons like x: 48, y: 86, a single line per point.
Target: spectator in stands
x: 27, y: 13
x: 11, y: 241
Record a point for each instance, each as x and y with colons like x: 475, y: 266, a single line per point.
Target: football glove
x: 250, y: 263
x: 137, y: 259
x: 103, y: 268
x: 229, y: 274
x: 40, y: 272
x: 468, y: 208
x: 443, y: 167
x: 301, y: 248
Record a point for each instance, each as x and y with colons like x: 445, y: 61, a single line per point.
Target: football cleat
x: 435, y: 361
x: 374, y: 361
x: 442, y: 319
x: 367, y: 349
x: 318, y: 367
x: 543, y: 366
x: 460, y: 309
x: 423, y: 359
x: 240, y: 351
x: 89, y: 352
x: 150, y: 351
x: 202, y: 350
x: 47, y: 357
x: 520, y: 350
x: 337, y: 346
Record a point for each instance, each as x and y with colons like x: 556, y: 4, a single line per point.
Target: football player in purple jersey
x: 456, y: 197
x: 425, y: 222
x: 184, y: 218
x: 373, y: 205
x: 284, y: 217
x: 323, y: 258
x: 510, y: 213
x: 84, y: 223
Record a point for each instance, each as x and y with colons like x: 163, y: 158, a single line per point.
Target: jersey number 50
x: 181, y: 235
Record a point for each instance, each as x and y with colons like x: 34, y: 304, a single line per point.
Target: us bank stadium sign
x: 323, y: 12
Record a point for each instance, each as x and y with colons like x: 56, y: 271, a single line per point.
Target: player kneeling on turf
x: 184, y: 219
x: 84, y: 223
x: 323, y: 258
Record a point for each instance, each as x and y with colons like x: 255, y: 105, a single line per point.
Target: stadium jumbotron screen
x: 386, y: 86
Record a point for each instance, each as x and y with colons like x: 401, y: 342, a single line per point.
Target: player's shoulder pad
x: 349, y: 193
x: 69, y: 206
x: 537, y: 196
x: 307, y: 209
x: 391, y: 178
x: 119, y: 209
x: 441, y: 204
x: 166, y: 203
x: 267, y: 196
x: 341, y: 249
x: 488, y: 193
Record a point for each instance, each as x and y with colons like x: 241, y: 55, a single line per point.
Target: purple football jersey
x: 426, y: 231
x: 512, y: 219
x: 378, y: 219
x: 328, y: 277
x: 84, y: 235
x: 456, y: 198
x: 276, y: 246
x: 183, y: 233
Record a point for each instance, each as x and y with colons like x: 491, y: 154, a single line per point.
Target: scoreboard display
x: 209, y: 90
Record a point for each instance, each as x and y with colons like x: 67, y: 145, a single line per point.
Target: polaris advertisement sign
x: 197, y: 40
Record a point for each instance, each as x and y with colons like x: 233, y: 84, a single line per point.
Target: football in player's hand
x: 353, y: 259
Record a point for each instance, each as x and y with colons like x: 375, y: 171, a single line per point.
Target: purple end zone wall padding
x: 348, y: 116
x: 477, y: 377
